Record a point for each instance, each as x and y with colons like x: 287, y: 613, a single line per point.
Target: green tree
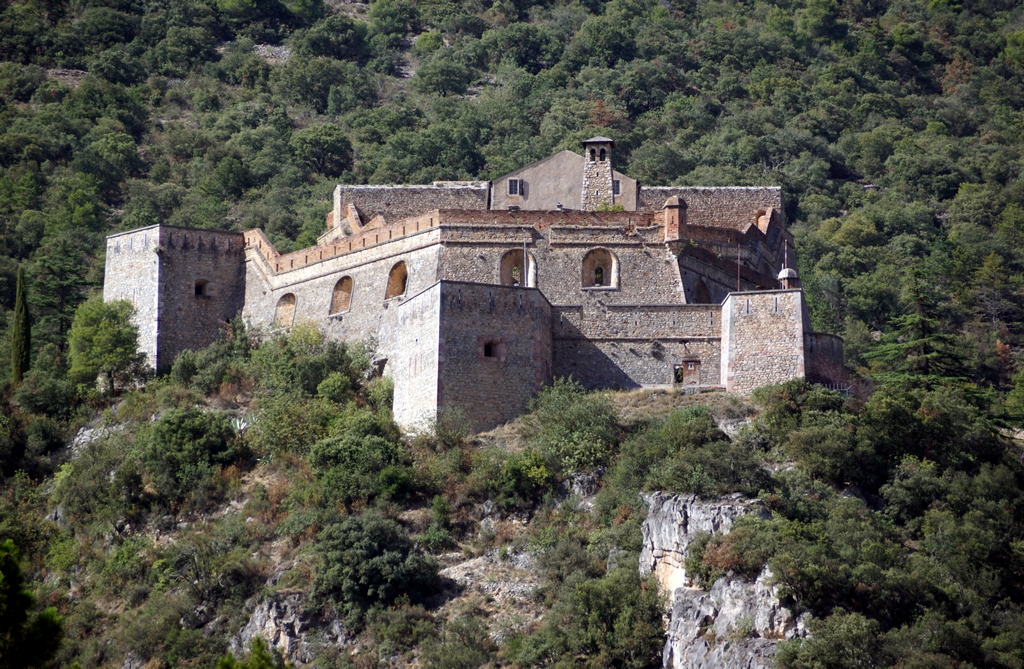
x: 21, y: 331
x: 919, y: 351
x: 442, y: 75
x: 58, y: 287
x: 323, y: 149
x: 104, y: 341
x: 27, y: 640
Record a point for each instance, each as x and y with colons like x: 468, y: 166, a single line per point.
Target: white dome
x: 788, y: 273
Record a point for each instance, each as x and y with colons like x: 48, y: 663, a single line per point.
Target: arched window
x: 398, y: 280
x: 593, y: 155
x: 600, y: 269
x: 284, y: 315
x: 202, y: 288
x: 515, y: 270
x: 603, y: 154
x: 341, y: 298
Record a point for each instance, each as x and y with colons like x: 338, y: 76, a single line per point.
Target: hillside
x: 262, y: 486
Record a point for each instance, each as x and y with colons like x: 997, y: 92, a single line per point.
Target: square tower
x: 598, y: 178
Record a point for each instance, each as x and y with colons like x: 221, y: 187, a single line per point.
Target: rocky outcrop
x: 674, y: 521
x: 734, y: 625
x: 283, y: 623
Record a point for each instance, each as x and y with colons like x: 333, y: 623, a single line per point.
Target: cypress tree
x: 21, y: 331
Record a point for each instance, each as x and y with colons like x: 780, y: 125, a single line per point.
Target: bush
x: 287, y: 423
x: 184, y: 449
x: 576, y: 429
x: 613, y: 621
x: 512, y: 479
x: 360, y: 461
x: 464, y: 644
x: 367, y: 561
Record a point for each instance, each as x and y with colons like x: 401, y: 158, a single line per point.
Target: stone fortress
x: 476, y: 294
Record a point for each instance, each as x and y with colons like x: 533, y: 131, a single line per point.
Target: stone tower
x: 598, y: 180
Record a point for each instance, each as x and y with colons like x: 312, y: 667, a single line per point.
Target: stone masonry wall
x: 646, y: 272
x: 717, y: 207
x: 369, y: 314
x: 414, y: 366
x: 597, y: 177
x: 624, y: 364
x: 762, y: 339
x: 398, y: 202
x: 132, y: 273
x: 188, y: 321
x: 157, y: 268
x: 824, y: 358
x: 514, y: 325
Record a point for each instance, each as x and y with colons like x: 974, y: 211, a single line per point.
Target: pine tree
x: 21, y: 331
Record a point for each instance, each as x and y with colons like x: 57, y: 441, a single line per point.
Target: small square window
x: 616, y: 187
x: 491, y: 349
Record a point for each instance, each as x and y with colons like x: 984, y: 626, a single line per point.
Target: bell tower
x: 598, y: 183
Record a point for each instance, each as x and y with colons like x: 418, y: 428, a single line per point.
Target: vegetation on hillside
x: 269, y: 464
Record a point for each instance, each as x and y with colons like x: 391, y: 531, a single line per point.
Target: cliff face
x: 734, y: 625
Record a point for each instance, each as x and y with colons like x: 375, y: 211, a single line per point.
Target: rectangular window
x: 515, y: 187
x: 616, y: 186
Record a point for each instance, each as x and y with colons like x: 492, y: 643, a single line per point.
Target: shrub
x: 361, y: 460
x: 289, y: 423
x: 464, y: 644
x: 613, y: 621
x: 184, y: 448
x: 382, y: 394
x: 512, y: 479
x: 576, y: 429
x: 366, y: 561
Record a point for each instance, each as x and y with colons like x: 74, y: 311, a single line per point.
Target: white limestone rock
x: 735, y: 625
x: 284, y: 624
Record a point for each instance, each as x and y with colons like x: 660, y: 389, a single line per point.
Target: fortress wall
x: 642, y: 321
x: 554, y: 218
x: 824, y: 358
x: 397, y: 202
x: 762, y: 339
x: 516, y: 322
x: 625, y: 364
x: 287, y: 262
x: 414, y: 366
x: 189, y: 321
x: 718, y: 207
x: 369, y: 314
x: 132, y: 273
x: 647, y: 272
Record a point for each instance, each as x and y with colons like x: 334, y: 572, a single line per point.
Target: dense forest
x: 270, y: 463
